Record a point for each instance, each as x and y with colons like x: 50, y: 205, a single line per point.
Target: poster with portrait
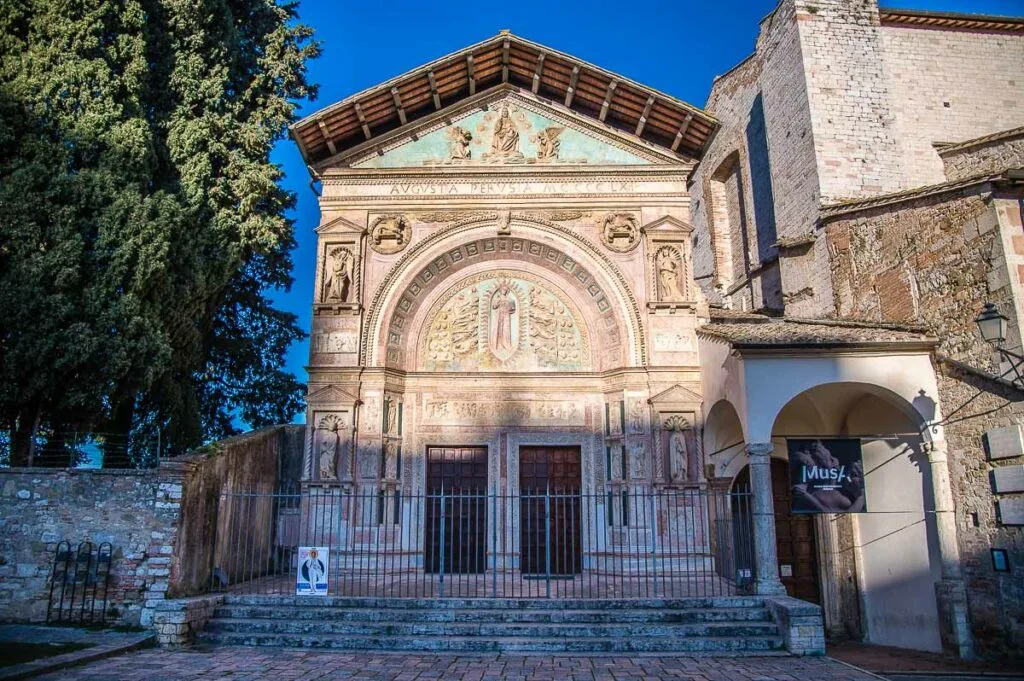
x: 311, y: 576
x: 826, y: 475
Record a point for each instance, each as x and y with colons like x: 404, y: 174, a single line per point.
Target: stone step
x: 623, y: 616
x: 490, y: 629
x: 757, y: 645
x: 498, y: 603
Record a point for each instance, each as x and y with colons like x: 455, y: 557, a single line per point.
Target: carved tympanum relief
x: 620, y: 232
x: 504, y: 321
x: 506, y: 131
x: 671, y: 275
x: 389, y: 234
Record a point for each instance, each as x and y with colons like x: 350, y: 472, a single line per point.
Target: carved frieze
x: 389, y: 234
x: 620, y: 232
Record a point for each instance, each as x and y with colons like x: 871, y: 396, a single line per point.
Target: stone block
x: 1011, y: 511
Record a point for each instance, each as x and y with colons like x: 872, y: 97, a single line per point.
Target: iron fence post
x: 547, y: 539
x: 441, y: 544
x: 654, y: 542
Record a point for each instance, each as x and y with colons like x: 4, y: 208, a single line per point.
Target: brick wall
x: 951, y: 86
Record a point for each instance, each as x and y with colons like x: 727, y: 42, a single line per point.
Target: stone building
x: 863, y: 174
x: 532, y: 272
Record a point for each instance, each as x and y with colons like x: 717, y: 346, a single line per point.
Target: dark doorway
x: 794, y: 536
x: 456, y: 510
x: 549, y: 511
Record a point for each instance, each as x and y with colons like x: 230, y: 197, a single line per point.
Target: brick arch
x: 568, y: 257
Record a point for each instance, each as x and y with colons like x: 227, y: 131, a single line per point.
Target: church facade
x: 532, y: 273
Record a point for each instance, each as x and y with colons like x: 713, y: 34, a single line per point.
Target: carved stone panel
x: 389, y: 234
x: 620, y: 232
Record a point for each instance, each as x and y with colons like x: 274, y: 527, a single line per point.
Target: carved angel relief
x: 620, y: 232
x: 458, y: 143
x: 547, y: 143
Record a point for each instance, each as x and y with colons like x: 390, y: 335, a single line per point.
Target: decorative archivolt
x: 386, y: 298
x: 503, y: 321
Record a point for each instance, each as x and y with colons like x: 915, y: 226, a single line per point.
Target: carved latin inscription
x: 453, y: 412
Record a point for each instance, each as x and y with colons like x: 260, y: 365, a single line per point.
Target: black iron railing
x: 623, y: 543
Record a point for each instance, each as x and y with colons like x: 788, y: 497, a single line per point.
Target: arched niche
x: 559, y: 254
x: 510, y: 317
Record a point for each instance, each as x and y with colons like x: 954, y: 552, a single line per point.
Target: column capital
x: 936, y: 451
x: 759, y: 449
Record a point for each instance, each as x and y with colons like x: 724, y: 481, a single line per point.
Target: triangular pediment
x: 667, y: 224
x: 677, y: 394
x: 330, y: 394
x: 504, y: 128
x: 339, y: 225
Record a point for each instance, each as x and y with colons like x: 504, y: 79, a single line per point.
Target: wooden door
x: 456, y: 510
x: 549, y: 510
x: 794, y: 535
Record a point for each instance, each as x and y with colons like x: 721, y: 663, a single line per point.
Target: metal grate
x: 79, y: 582
x: 666, y: 543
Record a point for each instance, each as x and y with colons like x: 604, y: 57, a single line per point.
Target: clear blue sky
x: 674, y: 46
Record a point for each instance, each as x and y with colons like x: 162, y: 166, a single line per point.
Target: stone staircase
x: 722, y: 626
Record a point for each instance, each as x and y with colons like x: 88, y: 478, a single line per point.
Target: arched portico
x: 903, y: 549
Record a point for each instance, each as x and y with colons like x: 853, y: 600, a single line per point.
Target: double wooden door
x: 456, y: 510
x: 550, y: 511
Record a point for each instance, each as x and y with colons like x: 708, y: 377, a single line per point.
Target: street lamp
x: 992, y: 325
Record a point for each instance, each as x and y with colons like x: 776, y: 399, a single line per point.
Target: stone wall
x: 931, y: 260
x: 995, y: 599
x: 986, y: 155
x: 159, y: 522
x: 951, y: 86
x: 136, y: 511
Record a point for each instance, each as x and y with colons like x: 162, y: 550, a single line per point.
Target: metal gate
x: 621, y: 543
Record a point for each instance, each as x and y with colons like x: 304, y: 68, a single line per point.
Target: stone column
x: 950, y: 591
x: 766, y: 559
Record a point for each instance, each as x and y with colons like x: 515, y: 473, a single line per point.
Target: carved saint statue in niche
x: 547, y: 143
x: 391, y: 414
x: 504, y: 336
x: 458, y: 145
x: 676, y: 428
x: 505, y: 141
x: 339, y: 276
x: 390, y: 460
x: 667, y: 262
x: 329, y: 446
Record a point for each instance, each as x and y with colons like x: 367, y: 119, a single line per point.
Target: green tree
x: 141, y: 220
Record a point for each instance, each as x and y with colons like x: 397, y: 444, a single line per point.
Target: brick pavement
x: 242, y: 664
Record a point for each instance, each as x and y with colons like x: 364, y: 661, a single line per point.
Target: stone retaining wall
x: 178, y: 621
x: 800, y: 624
x: 160, y: 523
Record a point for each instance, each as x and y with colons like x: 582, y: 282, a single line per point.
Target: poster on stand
x: 826, y: 475
x: 311, y: 577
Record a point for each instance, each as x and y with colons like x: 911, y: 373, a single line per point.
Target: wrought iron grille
x: 668, y: 543
x: 79, y: 582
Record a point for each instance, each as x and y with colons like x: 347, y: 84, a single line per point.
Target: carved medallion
x: 620, y: 232
x: 389, y: 234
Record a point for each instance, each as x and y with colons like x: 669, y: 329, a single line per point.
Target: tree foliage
x: 141, y: 221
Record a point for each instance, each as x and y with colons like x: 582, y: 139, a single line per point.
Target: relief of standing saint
x: 668, y: 275
x: 506, y: 138
x: 678, y: 456
x: 339, y: 276
x: 504, y: 328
